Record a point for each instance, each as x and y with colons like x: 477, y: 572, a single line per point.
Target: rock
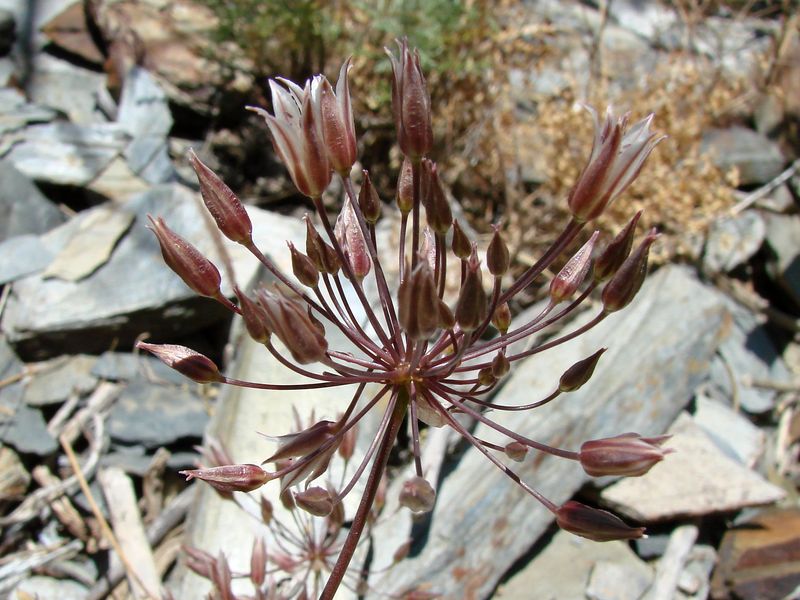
x: 783, y: 233
x: 733, y: 433
x: 118, y: 182
x: 670, y: 489
x: 54, y: 381
x: 22, y: 255
x: 68, y: 30
x: 756, y: 158
x: 34, y: 214
x: 16, y: 112
x: 496, y: 521
x: 40, y: 586
x: 134, y: 291
x: 732, y: 241
x: 584, y: 558
x: 14, y: 477
x: 759, y: 559
x: 694, y: 582
x: 67, y: 154
x: 71, y: 90
x: 135, y: 460
x: 648, y: 20
x: 156, y: 415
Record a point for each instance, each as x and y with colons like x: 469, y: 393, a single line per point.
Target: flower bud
x: 303, y: 267
x: 258, y: 562
x: 445, y: 317
x: 199, y: 561
x: 501, y: 318
x: 303, y: 442
x: 418, y: 495
x: 290, y: 321
x: 221, y: 576
x: 579, y: 373
x: 486, y: 377
x: 411, y: 103
x: 255, y: 318
x: 315, y: 500
x: 500, y: 365
x: 471, y: 306
x: 266, y: 510
x: 368, y: 200
x: 350, y: 238
x: 497, y: 257
x: 336, y: 117
x: 196, y: 270
x: 437, y: 208
x: 617, y: 250
x: 572, y: 274
x: 405, y: 187
x: 461, y: 245
x: 626, y: 455
x: 594, y: 524
x: 185, y: 361
x: 623, y: 286
x: 417, y: 301
x: 348, y: 445
x: 230, y: 478
x: 226, y: 209
x: 321, y: 254
x: 516, y: 451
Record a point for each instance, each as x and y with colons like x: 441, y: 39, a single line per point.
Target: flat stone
x: 483, y: 522
x: 759, y: 558
x: 694, y: 582
x: 697, y: 479
x: 34, y: 214
x: 606, y: 580
x: 732, y: 241
x: 22, y: 255
x: 756, y: 158
x: 60, y: 85
x: 136, y: 460
x: 68, y: 30
x: 143, y: 107
x: 54, y: 381
x: 118, y: 182
x: 40, y: 586
x: 732, y: 432
x: 783, y: 231
x: 148, y: 157
x: 156, y: 415
x: 16, y: 113
x: 582, y: 557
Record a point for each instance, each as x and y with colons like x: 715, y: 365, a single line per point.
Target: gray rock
x: 783, y: 237
x: 148, y: 157
x: 22, y: 255
x: 756, y: 158
x: 67, y: 154
x: 618, y: 580
x: 56, y: 380
x: 136, y: 460
x: 669, y: 333
x: 735, y: 435
x: 695, y: 579
x: 23, y: 208
x: 60, y: 85
x: 647, y: 19
x: 732, y: 241
x: 652, y: 546
x: 670, y: 489
x: 40, y: 586
x: 16, y: 112
x: 156, y: 415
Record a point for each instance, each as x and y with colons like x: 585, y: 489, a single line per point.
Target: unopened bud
x: 497, y: 257
x: 303, y: 442
x: 321, y: 254
x: 501, y: 318
x: 579, y: 373
x: 290, y: 321
x: 336, y: 115
x: 486, y: 377
x: 416, y: 299
x: 411, y: 103
x: 348, y: 445
x: 258, y: 562
x: 254, y: 316
x: 572, y: 274
x: 445, y: 317
x: 500, y: 365
x: 626, y: 455
x: 185, y: 361
x: 221, y: 576
x: 594, y: 524
x: 623, y: 286
x: 315, y: 500
x: 231, y: 478
x: 196, y: 270
x: 516, y: 451
x: 267, y: 510
x: 437, y: 208
x: 461, y: 245
x: 226, y: 209
x: 405, y: 187
x: 617, y: 250
x: 354, y: 246
x: 303, y: 267
x: 418, y: 495
x: 368, y: 200
x: 199, y: 561
x: 471, y: 306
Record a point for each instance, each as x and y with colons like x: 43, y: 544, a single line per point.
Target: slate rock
x: 41, y: 586
x: 60, y: 85
x: 483, y: 522
x: 756, y: 158
x: 54, y: 381
x: 783, y: 235
x: 616, y: 580
x: 16, y: 112
x: 136, y: 460
x: 68, y: 30
x: 697, y: 479
x: 732, y: 432
x: 22, y: 255
x: 14, y: 477
x: 156, y: 415
x: 23, y: 208
x: 732, y: 241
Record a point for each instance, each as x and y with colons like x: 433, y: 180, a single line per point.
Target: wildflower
x: 421, y: 355
x: 231, y: 478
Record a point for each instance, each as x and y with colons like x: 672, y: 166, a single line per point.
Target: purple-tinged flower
x: 572, y: 274
x: 618, y: 155
x: 231, y: 478
x: 627, y: 455
x: 594, y: 524
x: 418, y: 495
x: 336, y: 116
x: 411, y: 103
x: 351, y: 239
x: 186, y: 361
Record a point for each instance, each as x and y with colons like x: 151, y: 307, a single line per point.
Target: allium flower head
x: 422, y: 354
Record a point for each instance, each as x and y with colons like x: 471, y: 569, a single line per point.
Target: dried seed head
x: 416, y: 299
x: 500, y: 365
x: 185, y: 361
x: 405, y: 187
x: 579, y: 373
x: 303, y: 267
x: 594, y: 524
x: 315, y: 500
x: 418, y: 495
x: 501, y: 318
x: 255, y: 318
x: 226, y: 209
x: 471, y: 306
x: 486, y: 377
x: 516, y: 451
x: 626, y: 455
x: 461, y: 245
x: 623, y: 286
x: 617, y: 250
x: 196, y: 270
x: 368, y: 200
x: 231, y: 478
x: 497, y: 257
x: 571, y: 276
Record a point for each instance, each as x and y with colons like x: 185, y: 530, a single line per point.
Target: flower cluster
x: 426, y: 354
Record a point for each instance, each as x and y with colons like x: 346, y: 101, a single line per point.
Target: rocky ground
x: 96, y: 100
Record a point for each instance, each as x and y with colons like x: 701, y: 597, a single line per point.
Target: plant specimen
x: 422, y: 356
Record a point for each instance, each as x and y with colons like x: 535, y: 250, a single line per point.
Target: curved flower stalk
x: 427, y: 355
